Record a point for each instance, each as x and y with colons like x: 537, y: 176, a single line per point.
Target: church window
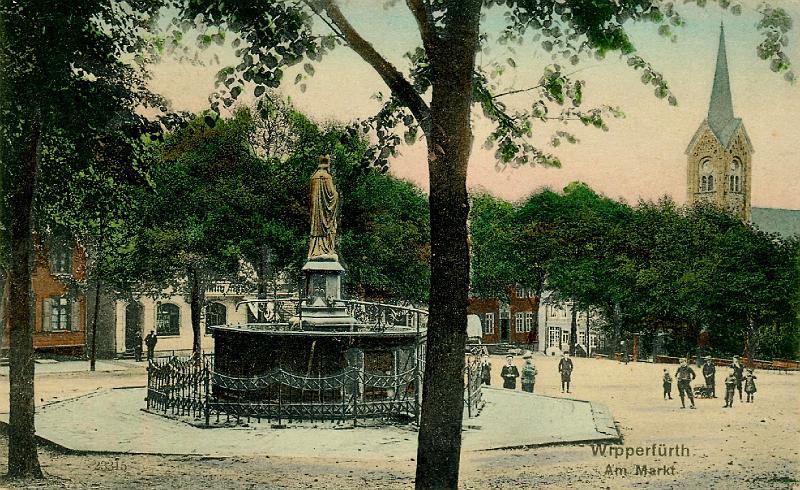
x: 706, y: 175
x: 736, y: 175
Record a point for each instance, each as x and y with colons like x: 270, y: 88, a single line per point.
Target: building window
x: 565, y: 337
x: 592, y: 341
x: 736, y: 175
x: 60, y: 314
x: 582, y: 338
x: 168, y: 319
x: 528, y: 321
x: 552, y: 336
x: 706, y: 176
x: 60, y: 258
x: 519, y: 322
x: 488, y: 323
x: 216, y: 314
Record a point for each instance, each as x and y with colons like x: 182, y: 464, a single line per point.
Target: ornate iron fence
x: 473, y: 396
x: 190, y: 387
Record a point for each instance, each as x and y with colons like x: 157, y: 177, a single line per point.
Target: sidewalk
x: 49, y: 366
x: 113, y: 421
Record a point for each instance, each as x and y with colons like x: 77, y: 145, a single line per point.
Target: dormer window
x: 60, y: 258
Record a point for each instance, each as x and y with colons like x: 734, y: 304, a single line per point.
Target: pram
x: 702, y: 391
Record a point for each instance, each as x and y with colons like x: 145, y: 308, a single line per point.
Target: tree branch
x: 424, y: 22
x: 398, y: 84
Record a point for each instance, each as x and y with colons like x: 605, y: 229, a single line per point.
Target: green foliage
x: 654, y: 266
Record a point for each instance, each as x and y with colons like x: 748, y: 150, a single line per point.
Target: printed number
x: 110, y: 465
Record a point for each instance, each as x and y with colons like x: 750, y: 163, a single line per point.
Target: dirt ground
x: 749, y: 446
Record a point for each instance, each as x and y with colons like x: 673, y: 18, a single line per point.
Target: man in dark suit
x: 510, y: 373
x: 738, y: 371
x: 565, y: 368
x: 709, y: 373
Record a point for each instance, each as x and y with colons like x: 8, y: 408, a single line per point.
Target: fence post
x: 208, y: 392
x: 147, y: 398
x: 469, y: 389
x: 356, y: 390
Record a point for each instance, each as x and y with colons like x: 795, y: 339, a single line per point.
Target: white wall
x: 182, y: 342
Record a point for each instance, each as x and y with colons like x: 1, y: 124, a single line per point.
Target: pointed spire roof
x: 720, y: 109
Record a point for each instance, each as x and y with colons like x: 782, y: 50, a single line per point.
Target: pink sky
x: 641, y: 157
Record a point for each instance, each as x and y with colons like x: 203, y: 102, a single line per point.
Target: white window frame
x: 528, y: 321
x: 552, y: 336
x: 488, y: 323
x: 519, y: 322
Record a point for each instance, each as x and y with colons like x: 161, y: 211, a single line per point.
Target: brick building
x: 59, y: 309
x: 511, y: 322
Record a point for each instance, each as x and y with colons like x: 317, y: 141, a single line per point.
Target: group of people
x: 735, y: 380
x: 150, y: 341
x: 510, y: 373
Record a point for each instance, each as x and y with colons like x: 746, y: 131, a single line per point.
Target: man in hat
x: 709, y: 372
x: 685, y: 375
x: 510, y: 373
x: 565, y: 368
x: 486, y: 371
x: 528, y: 374
x: 738, y: 371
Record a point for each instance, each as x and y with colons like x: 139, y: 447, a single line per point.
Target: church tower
x: 719, y: 156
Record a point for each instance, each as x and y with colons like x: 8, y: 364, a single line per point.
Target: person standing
x: 685, y: 375
x: 150, y: 341
x: 750, y: 385
x: 667, y: 385
x: 709, y: 373
x: 730, y: 388
x: 137, y: 347
x: 510, y: 373
x: 486, y: 371
x: 738, y: 371
x: 528, y: 375
x: 565, y: 368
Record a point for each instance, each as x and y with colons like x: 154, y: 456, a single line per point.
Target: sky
x: 640, y: 157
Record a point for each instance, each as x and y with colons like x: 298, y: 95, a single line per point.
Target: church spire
x: 720, y: 109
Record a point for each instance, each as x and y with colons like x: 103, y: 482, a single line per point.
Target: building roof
x: 720, y: 108
x: 785, y: 222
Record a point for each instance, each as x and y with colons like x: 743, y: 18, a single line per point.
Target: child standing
x: 730, y: 388
x: 750, y: 385
x: 667, y: 385
x: 528, y: 375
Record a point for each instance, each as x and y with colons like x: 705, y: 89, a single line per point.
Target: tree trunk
x: 96, y: 312
x: 449, y: 145
x: 197, y: 299
x: 23, y: 460
x: 573, y: 330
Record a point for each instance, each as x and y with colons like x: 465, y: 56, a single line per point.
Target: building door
x: 133, y: 324
x: 504, y: 330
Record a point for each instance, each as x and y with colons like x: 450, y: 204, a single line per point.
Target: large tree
x: 436, y: 96
x: 63, y: 82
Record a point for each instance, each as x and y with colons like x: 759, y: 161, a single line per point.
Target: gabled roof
x: 729, y: 132
x: 785, y: 222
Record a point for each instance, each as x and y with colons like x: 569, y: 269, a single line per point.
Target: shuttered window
x: 60, y: 314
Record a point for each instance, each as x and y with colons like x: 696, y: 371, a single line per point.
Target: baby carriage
x: 702, y: 391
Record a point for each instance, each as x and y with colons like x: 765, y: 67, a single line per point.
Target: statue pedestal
x: 323, y: 308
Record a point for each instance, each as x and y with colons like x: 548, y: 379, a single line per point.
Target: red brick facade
x: 67, y: 330
x: 514, y: 323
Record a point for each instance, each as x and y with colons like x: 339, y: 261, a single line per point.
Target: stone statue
x: 324, y: 211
